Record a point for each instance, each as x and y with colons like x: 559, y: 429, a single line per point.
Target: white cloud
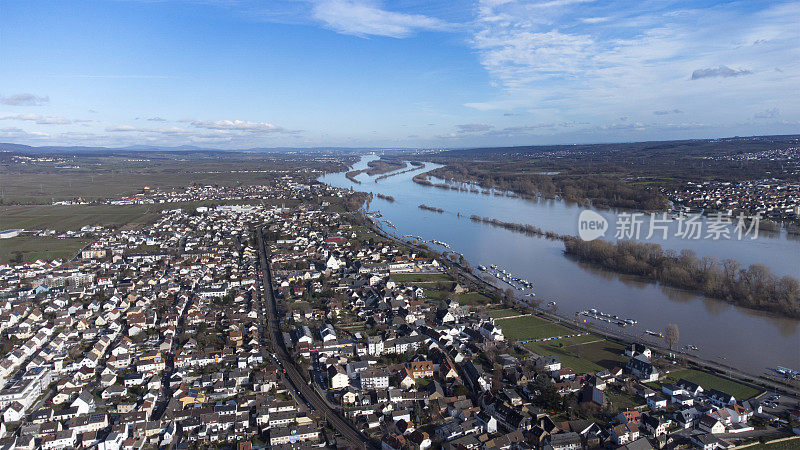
x: 556, y: 3
x: 38, y: 118
x: 121, y: 128
x: 367, y: 18
x: 549, y: 62
x: 238, y: 125
x: 24, y: 100
x: 13, y: 132
x: 594, y: 20
x: 771, y: 113
x: 474, y: 127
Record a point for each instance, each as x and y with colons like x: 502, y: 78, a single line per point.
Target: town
x: 771, y: 199
x: 281, y: 317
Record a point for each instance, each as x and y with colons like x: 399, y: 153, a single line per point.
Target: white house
x: 337, y: 377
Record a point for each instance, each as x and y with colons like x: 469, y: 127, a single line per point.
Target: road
x: 274, y: 338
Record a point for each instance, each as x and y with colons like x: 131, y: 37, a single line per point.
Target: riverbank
x: 577, y: 286
x: 689, y: 361
x: 754, y: 288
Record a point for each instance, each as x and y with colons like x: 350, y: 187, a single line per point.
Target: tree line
x: 431, y: 208
x: 753, y: 287
x: 523, y: 228
x: 599, y: 190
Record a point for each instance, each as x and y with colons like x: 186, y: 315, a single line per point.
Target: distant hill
x: 20, y: 148
x: 695, y: 147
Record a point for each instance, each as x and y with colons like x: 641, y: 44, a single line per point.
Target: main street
x: 273, y: 338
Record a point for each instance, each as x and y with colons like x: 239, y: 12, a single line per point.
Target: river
x: 740, y: 337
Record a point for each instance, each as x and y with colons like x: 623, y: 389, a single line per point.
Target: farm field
x: 63, y: 218
x: 45, y: 248
x: 43, y: 188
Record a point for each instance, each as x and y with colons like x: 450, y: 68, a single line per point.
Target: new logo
x: 591, y: 225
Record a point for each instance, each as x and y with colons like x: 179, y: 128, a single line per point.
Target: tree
x: 671, y: 335
x: 508, y: 295
x: 460, y: 390
x: 17, y: 258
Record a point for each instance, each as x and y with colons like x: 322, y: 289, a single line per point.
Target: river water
x: 731, y: 335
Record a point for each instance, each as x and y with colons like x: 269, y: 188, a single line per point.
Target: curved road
x: 300, y: 386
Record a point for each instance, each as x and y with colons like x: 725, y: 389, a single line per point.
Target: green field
x: 568, y: 359
x: 530, y: 327
x: 472, y: 298
x: 583, y: 353
x: 45, y: 248
x: 621, y: 400
x: 501, y: 313
x: 63, y: 218
x: 709, y: 381
x: 467, y: 298
x: 73, y: 217
x: 44, y: 187
x: 420, y: 277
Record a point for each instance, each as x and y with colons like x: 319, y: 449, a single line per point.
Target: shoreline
x: 757, y: 381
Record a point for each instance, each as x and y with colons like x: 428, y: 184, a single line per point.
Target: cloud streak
x: 237, y: 125
x: 474, y: 127
x: 24, y: 100
x: 771, y: 113
x: 39, y: 119
x: 366, y: 18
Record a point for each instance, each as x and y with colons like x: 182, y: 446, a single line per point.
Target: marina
x: 508, y: 278
x: 788, y: 373
x: 608, y: 318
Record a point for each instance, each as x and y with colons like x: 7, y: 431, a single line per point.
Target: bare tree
x: 671, y: 335
x: 508, y: 295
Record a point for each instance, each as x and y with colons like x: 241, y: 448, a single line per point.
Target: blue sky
x: 408, y: 73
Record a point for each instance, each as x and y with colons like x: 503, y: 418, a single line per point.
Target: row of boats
x: 510, y: 279
x: 431, y: 241
x: 615, y: 319
x: 788, y: 373
x: 608, y: 318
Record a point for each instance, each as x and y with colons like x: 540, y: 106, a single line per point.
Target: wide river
x: 731, y: 335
